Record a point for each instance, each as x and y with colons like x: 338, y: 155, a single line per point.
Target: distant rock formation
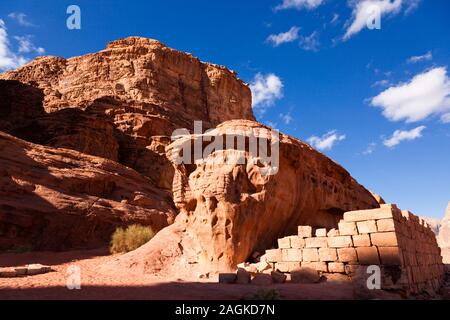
x: 442, y: 230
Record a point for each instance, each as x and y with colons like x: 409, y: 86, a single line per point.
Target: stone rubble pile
x: 28, y: 270
x: 400, y: 243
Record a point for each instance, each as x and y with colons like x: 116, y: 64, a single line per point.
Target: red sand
x: 95, y: 285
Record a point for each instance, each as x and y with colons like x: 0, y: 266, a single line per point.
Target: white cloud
x: 370, y: 149
x: 8, y: 60
x: 286, y: 117
x: 363, y: 12
x: 411, y: 5
x: 426, y: 57
x: 445, y: 118
x: 284, y: 37
x: 400, y: 136
x: 21, y: 19
x: 299, y: 4
x: 327, y: 141
x: 27, y: 46
x: 311, y: 42
x: 381, y: 83
x: 426, y: 94
x: 266, y: 89
x: 335, y: 19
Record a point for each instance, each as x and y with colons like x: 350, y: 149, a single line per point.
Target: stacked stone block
x: 399, y: 242
x: 28, y: 270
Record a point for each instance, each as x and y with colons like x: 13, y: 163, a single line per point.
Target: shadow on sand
x: 181, y: 291
x: 48, y: 258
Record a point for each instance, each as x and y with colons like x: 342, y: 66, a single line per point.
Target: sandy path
x: 128, y: 286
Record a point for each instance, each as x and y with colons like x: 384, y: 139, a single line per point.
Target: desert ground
x: 95, y: 285
x: 90, y: 144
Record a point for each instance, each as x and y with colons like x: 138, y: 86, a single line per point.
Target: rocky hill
x: 85, y: 147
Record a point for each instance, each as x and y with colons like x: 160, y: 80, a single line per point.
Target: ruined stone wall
x: 399, y: 242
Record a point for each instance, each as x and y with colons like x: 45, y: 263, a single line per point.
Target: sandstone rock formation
x: 120, y: 104
x: 146, y: 74
x: 60, y: 199
x: 22, y: 114
x: 144, y: 88
x: 229, y: 211
x: 99, y: 154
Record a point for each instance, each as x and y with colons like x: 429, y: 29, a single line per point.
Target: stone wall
x: 399, y: 242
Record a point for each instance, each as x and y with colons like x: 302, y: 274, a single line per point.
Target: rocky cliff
x: 142, y: 74
x: 145, y: 89
x: 86, y: 147
x: 120, y: 104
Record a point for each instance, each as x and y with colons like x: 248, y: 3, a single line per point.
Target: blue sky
x: 375, y: 100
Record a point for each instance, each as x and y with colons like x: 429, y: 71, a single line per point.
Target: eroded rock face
x: 121, y: 104
x: 145, y: 71
x: 144, y: 89
x: 229, y: 211
x: 59, y: 199
x: 236, y: 210
x: 22, y: 115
